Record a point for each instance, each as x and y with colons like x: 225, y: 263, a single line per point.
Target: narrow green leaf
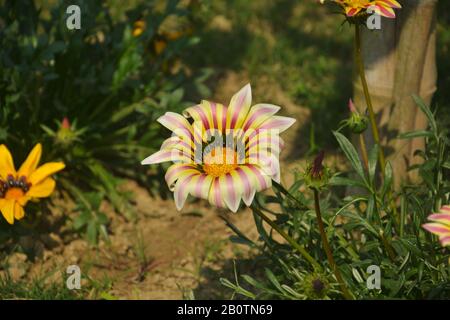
x: 415, y: 134
x: 373, y: 159
x: 351, y: 153
x: 421, y: 104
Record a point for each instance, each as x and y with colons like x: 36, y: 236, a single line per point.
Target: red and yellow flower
x: 382, y: 7
x: 440, y: 225
x: 218, y: 171
x: 28, y: 183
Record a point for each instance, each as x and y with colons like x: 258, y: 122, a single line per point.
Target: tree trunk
x: 400, y: 61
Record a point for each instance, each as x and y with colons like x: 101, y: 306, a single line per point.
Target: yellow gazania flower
x: 138, y: 28
x: 207, y: 166
x: 382, y: 7
x: 30, y: 182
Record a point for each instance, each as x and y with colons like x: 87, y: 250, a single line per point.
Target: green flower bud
x: 357, y: 123
x: 315, y: 286
x: 316, y: 174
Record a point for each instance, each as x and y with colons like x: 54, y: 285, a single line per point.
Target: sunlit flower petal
x: 42, y: 189
x: 8, y: 210
x: 32, y: 161
x: 19, y: 213
x: 382, y: 7
x: 45, y: 171
x: 6, y: 163
x: 440, y: 225
x: 239, y: 107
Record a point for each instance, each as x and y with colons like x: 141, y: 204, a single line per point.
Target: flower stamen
x: 216, y: 165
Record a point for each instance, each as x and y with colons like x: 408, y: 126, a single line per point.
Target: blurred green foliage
x: 92, y: 96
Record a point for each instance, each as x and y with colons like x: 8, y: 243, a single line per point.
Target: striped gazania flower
x: 382, y: 7
x: 440, y: 225
x: 222, y: 154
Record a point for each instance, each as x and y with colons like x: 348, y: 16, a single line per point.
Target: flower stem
x: 291, y: 241
x: 363, y: 149
x: 326, y: 247
x: 362, y: 75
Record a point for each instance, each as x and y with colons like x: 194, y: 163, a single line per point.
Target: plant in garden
x: 361, y: 229
x: 90, y: 96
x: 30, y: 182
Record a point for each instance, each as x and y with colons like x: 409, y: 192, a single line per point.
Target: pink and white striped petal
x: 390, y: 3
x: 443, y: 218
x: 177, y: 124
x: 258, y: 114
x: 201, y: 185
x: 167, y: 155
x: 259, y: 180
x: 182, y: 188
x: 437, y: 229
x: 239, y: 107
x: 230, y: 191
x: 384, y: 11
x: 248, y: 191
x: 445, y: 240
x: 178, y: 170
x: 215, y: 196
x: 277, y: 123
x: 178, y: 143
x: 200, y: 113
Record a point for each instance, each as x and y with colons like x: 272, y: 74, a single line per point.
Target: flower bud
x: 356, y: 122
x: 315, y: 286
x: 316, y: 174
x: 65, y: 134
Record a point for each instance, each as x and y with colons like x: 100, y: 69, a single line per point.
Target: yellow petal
x: 8, y: 210
x: 31, y: 162
x: 23, y: 200
x: 42, y: 190
x: 19, y: 213
x: 6, y: 162
x: 44, y: 171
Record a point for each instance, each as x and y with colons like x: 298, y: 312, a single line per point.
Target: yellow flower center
x: 217, y: 165
x: 14, y: 194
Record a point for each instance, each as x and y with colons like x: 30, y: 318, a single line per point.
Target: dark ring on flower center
x: 12, y: 182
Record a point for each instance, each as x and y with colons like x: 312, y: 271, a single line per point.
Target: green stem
x: 362, y: 146
x: 326, y: 247
x: 373, y: 122
x: 362, y: 75
x: 291, y: 241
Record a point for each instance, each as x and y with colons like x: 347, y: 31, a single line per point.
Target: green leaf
x: 415, y: 134
x: 351, y: 153
x: 347, y: 182
x: 273, y: 279
x: 92, y: 232
x: 373, y: 159
x: 421, y: 104
x: 387, y: 178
